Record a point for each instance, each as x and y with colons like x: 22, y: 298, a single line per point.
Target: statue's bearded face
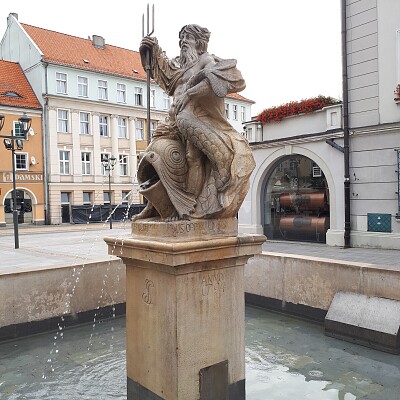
x: 189, y: 53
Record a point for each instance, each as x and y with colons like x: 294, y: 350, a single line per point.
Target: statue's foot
x: 176, y: 217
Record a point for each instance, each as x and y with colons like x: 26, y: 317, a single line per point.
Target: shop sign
x: 22, y: 177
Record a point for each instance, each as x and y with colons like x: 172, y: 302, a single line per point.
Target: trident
x: 147, y: 66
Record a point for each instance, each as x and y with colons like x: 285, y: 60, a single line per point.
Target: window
x: 235, y: 112
x: 121, y: 93
x: 61, y: 83
x: 21, y: 161
x: 122, y: 132
x: 103, y: 94
x: 123, y: 165
x: 139, y: 129
x: 126, y: 196
x: 18, y: 130
x: 64, y: 162
x: 84, y: 123
x: 62, y: 116
x: 138, y: 96
x: 103, y: 123
x: 227, y: 110
x: 166, y: 101
x: 87, y: 197
x: 153, y: 127
x: 250, y: 134
x: 82, y: 86
x: 65, y: 196
x: 85, y: 157
x: 243, y: 113
x: 152, y: 98
x: 102, y: 157
x: 106, y: 197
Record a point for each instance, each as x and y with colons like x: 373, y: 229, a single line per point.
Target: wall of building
x: 31, y: 179
x: 373, y: 32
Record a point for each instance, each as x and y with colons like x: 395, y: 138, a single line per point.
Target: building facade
x: 94, y: 100
x: 298, y: 187
x: 296, y: 190
x: 16, y: 99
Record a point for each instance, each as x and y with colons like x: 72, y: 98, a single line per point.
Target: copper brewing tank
x: 304, y: 201
x: 300, y: 223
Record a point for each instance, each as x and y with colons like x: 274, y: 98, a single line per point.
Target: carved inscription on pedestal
x: 213, y: 283
x: 185, y: 229
x: 147, y: 294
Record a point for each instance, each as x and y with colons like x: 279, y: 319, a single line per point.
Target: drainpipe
x: 347, y: 227
x: 45, y: 160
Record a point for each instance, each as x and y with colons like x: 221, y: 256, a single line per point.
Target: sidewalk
x: 47, y: 246
x: 54, y: 246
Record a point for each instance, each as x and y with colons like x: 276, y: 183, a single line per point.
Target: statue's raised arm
x: 197, y: 165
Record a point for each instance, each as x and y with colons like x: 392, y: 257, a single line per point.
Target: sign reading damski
x: 22, y: 177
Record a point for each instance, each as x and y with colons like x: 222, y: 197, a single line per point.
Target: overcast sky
x: 286, y: 49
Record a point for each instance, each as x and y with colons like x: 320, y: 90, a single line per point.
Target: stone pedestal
x: 185, y: 309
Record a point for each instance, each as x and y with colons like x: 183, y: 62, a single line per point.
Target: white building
x: 290, y: 154
x: 94, y: 100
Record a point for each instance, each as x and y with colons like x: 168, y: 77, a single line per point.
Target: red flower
x: 294, y: 108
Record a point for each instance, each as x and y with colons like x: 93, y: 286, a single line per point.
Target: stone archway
x: 269, y: 160
x: 25, y: 201
x: 295, y: 203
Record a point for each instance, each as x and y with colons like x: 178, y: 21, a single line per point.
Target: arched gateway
x: 295, y: 200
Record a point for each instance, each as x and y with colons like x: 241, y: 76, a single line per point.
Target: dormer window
x: 12, y: 94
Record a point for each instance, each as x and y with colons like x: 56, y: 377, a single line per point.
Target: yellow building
x: 16, y: 99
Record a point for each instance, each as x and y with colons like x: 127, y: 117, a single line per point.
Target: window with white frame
x: 153, y: 98
x: 85, y: 158
x: 103, y: 125
x: 65, y: 197
x: 17, y: 131
x: 250, y: 134
x: 64, y: 162
x: 62, y: 118
x: 227, y: 110
x: 243, y: 113
x: 139, y: 125
x: 153, y: 127
x: 122, y: 130
x: 166, y: 101
x: 123, y: 164
x: 234, y: 111
x: 106, y: 197
x: 61, y: 83
x: 87, y: 197
x: 138, y: 96
x: 84, y: 123
x: 121, y: 93
x: 103, y: 91
x: 82, y: 86
x: 104, y: 156
x: 21, y: 161
x: 126, y: 196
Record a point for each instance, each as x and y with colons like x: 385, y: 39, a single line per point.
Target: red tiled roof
x: 72, y: 51
x: 240, y: 97
x: 13, y: 80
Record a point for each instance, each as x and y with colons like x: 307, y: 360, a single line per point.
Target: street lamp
x: 12, y: 142
x: 109, y: 164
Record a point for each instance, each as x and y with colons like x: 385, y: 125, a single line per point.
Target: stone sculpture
x: 197, y: 165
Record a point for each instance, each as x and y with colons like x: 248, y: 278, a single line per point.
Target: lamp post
x: 109, y: 164
x: 12, y: 142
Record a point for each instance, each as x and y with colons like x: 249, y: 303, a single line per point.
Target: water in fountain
x: 286, y: 359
